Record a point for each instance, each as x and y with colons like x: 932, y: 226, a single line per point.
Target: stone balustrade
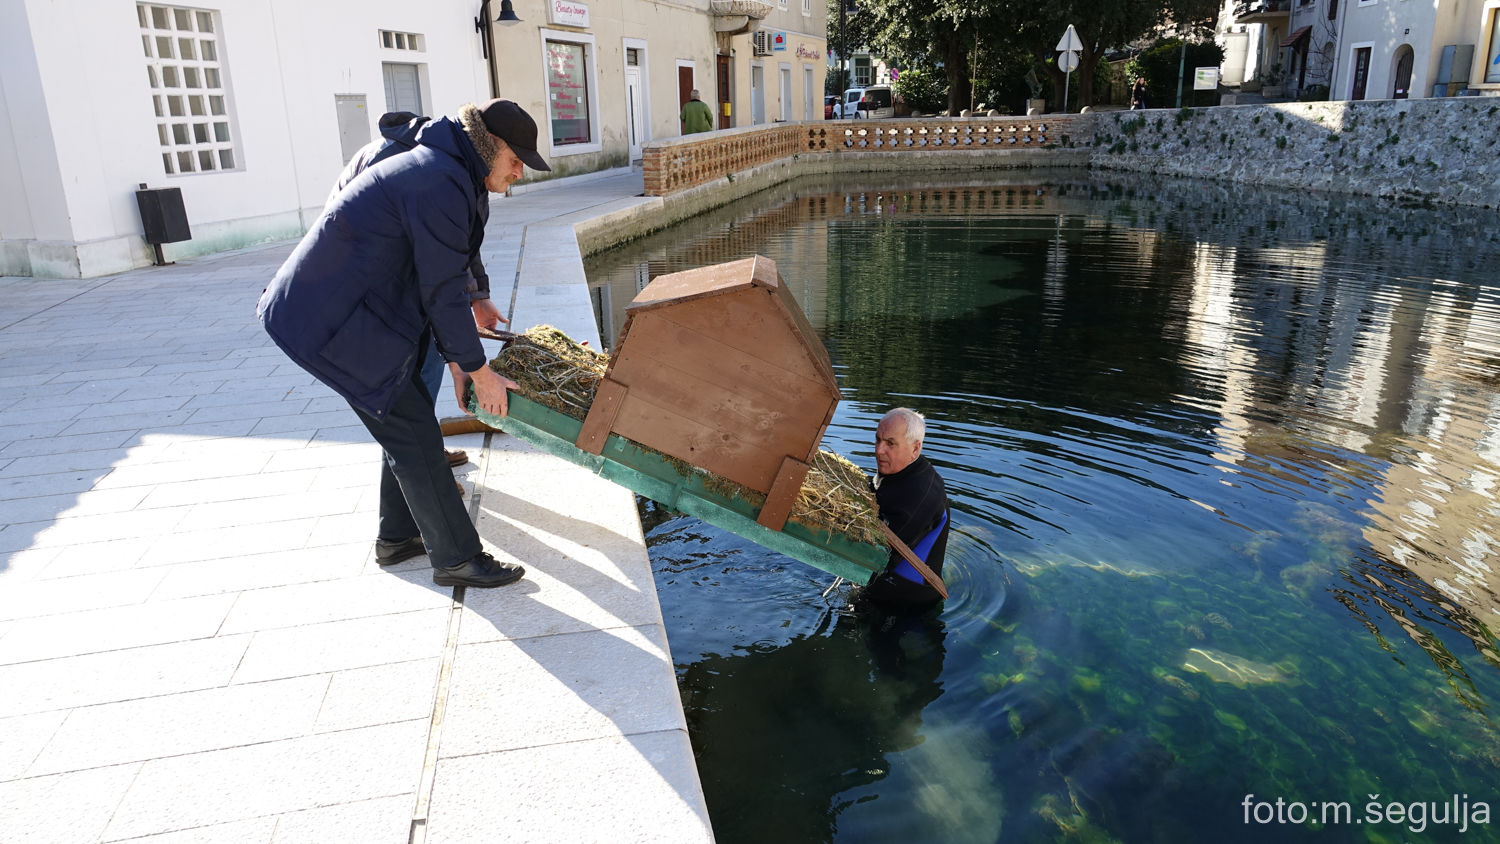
x: 932, y: 135
x: 677, y: 164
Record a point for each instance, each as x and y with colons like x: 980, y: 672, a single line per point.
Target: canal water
x: 1223, y: 465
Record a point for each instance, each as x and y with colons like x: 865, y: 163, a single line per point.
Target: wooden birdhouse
x: 718, y: 367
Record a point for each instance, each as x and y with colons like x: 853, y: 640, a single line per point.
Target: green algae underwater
x: 1222, y: 464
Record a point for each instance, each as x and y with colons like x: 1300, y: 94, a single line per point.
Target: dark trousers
x: 417, y: 493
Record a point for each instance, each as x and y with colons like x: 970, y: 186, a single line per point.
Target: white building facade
x: 1398, y: 48
x: 252, y: 107
x: 1362, y: 49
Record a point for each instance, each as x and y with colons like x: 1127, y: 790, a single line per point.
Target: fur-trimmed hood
x: 473, y: 123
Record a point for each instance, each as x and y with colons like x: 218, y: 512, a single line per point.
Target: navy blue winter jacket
x: 388, y: 257
x: 399, y: 131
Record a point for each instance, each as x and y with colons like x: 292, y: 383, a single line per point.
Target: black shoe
x: 389, y: 552
x: 482, y: 572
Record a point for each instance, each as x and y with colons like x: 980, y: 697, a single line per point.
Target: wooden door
x: 1361, y: 73
x: 723, y: 91
x: 684, y: 91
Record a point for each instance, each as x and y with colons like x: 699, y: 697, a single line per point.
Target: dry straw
x: 555, y: 372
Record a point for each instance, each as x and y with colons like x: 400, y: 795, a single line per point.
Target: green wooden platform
x: 646, y: 473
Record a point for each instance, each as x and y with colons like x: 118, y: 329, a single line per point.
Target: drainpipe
x: 487, y: 42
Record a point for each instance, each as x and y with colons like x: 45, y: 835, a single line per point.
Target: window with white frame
x: 864, y: 72
x: 806, y: 7
x: 401, y: 40
x: 188, y: 93
x: 568, y: 92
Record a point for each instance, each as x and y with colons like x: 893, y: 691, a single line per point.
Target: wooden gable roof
x: 742, y: 316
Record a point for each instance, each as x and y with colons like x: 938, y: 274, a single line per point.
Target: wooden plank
x: 752, y: 322
x: 704, y: 357
x: 455, y: 425
x: 608, y: 397
x: 916, y: 562
x: 783, y: 494
x: 822, y: 429
x: 810, y: 341
x: 763, y: 272
x: 688, y: 285
x: 724, y: 455
x: 747, y: 416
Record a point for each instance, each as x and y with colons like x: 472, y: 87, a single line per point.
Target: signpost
x: 1205, y: 79
x: 1067, y: 60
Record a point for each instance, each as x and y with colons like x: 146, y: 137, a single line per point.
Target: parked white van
x: 875, y: 102
x: 847, y: 106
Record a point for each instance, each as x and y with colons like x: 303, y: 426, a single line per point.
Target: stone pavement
x: 196, y: 644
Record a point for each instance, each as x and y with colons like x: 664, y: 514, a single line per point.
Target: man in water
x: 913, y: 503
x: 383, y: 270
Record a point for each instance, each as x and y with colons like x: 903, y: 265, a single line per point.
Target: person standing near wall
x: 696, y: 115
x: 1138, y: 94
x: 383, y: 271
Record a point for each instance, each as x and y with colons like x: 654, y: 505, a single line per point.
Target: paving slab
x: 195, y: 640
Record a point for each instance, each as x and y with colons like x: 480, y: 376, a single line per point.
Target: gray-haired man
x: 914, y: 504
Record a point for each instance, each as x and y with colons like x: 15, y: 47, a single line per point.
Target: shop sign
x: 804, y: 53
x: 568, y: 13
x: 778, y: 42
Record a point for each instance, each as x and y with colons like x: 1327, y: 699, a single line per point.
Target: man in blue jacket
x: 383, y: 270
x: 398, y: 134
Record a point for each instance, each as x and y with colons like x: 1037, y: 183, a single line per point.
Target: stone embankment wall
x: 1423, y: 151
x: 1431, y: 151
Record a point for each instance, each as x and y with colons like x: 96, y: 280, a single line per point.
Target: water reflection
x: 1223, y: 466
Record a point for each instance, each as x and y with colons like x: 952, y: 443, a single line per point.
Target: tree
x: 918, y: 33
x: 1102, y: 25
x: 1159, y: 65
x: 951, y: 33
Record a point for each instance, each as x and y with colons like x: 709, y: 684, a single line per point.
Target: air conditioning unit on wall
x: 761, y: 39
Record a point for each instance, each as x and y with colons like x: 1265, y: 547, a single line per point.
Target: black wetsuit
x: 912, y: 502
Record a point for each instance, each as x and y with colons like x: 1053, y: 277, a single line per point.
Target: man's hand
x: 489, y: 388
x: 486, y: 315
x: 461, y: 382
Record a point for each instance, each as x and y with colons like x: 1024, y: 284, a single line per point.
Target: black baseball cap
x: 511, y: 124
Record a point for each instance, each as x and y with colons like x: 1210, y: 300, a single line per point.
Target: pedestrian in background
x: 696, y: 115
x: 1138, y: 94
